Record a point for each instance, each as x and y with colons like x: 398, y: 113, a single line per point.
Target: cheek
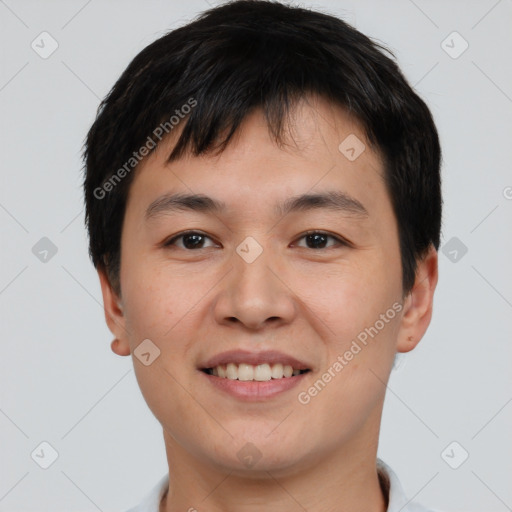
x: 156, y: 303
x: 363, y: 317
x: 350, y: 296
x: 356, y: 311
x: 159, y: 306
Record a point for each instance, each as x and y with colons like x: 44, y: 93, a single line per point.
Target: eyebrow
x: 331, y: 200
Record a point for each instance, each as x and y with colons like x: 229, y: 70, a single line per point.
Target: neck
x: 344, y: 479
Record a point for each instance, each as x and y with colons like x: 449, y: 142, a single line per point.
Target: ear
x: 114, y: 316
x: 418, y: 303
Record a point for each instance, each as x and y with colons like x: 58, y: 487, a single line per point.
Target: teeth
x: 249, y: 372
x: 232, y: 371
x: 287, y: 371
x: 277, y: 371
x: 262, y: 372
x: 245, y: 372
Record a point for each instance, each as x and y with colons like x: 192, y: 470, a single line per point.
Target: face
x: 316, y: 286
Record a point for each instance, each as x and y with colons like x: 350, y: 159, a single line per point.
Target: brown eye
x: 191, y: 240
x: 318, y: 239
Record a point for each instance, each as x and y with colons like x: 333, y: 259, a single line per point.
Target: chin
x: 253, y: 451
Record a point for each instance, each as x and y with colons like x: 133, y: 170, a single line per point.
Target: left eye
x: 195, y: 240
x: 318, y: 239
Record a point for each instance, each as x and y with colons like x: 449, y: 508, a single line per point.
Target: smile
x: 248, y: 372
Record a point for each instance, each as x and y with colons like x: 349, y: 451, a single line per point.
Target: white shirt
x: 398, y: 502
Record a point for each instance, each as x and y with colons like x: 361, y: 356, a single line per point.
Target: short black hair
x: 250, y: 54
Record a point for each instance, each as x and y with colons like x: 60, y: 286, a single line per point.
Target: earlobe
x: 114, y: 316
x: 121, y: 349
x: 418, y: 303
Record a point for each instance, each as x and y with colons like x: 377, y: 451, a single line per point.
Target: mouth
x: 260, y: 373
x: 254, y: 376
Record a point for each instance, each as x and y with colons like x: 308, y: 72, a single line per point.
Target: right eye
x: 192, y: 240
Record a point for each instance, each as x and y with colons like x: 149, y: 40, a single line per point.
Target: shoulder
x: 416, y: 507
x: 151, y: 501
x: 397, y: 499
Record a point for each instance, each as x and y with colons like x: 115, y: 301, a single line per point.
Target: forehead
x: 324, y: 149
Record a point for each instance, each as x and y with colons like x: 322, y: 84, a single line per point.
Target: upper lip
x: 254, y: 358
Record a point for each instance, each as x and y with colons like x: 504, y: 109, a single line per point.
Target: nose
x: 255, y: 293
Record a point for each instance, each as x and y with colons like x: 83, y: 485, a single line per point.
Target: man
x: 263, y: 203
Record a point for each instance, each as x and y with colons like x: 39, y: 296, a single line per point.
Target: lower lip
x: 253, y: 390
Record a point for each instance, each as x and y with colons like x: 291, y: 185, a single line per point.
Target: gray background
x: 59, y: 381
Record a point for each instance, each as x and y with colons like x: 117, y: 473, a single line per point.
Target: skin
x: 305, y: 301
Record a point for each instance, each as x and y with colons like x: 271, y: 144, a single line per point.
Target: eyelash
x: 340, y: 240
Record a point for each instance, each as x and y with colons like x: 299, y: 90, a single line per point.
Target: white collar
x: 397, y: 499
